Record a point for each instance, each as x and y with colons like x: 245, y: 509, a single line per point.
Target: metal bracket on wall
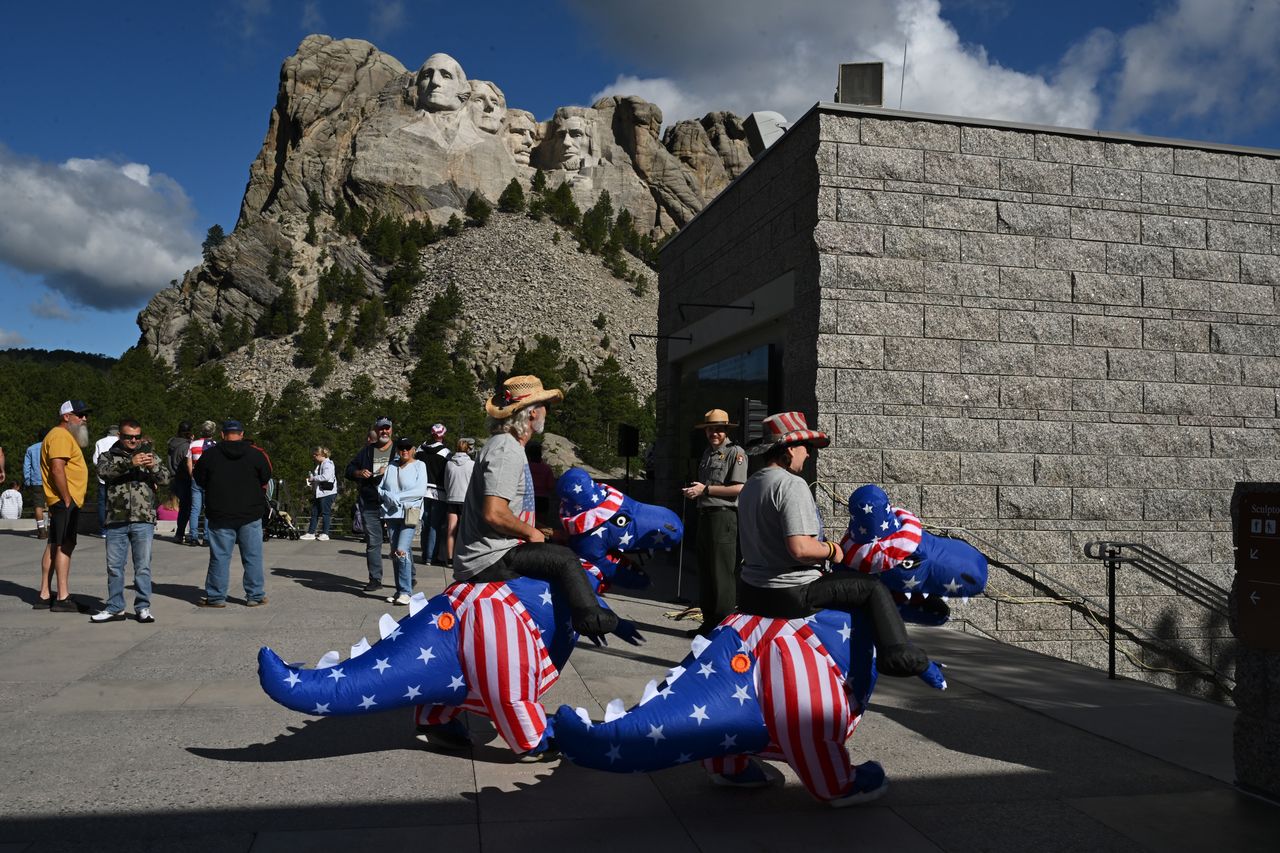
x: 680, y: 306
x: 632, y: 338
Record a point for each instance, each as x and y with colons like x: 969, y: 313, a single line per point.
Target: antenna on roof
x: 906, y: 39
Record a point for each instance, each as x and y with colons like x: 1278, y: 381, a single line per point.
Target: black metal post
x: 1112, y: 564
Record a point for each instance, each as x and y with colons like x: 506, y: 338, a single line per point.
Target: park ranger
x: 721, y: 474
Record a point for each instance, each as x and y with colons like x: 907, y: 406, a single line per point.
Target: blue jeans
x: 322, y: 507
x: 434, y: 516
x: 102, y: 507
x: 373, y: 549
x: 198, y: 531
x: 221, y: 540
x: 121, y: 539
x: 402, y: 540
x: 181, y: 489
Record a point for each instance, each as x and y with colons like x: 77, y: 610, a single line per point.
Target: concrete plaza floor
x: 136, y: 737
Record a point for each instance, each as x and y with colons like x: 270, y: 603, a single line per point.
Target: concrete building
x: 1045, y: 336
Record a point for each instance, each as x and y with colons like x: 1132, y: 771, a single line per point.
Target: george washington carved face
x: 441, y: 84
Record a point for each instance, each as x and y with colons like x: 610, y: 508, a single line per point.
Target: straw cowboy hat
x: 519, y: 392
x: 715, y: 417
x: 787, y: 428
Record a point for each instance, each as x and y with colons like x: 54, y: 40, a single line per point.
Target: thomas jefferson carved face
x: 442, y: 86
x: 488, y: 106
x: 521, y: 135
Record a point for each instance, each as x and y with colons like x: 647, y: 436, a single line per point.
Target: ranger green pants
x: 717, y: 565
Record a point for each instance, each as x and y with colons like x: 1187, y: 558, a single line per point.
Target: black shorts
x: 62, y: 524
x: 35, y: 496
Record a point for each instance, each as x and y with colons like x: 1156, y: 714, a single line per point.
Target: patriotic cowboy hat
x: 715, y: 417
x: 787, y: 428
x: 519, y: 392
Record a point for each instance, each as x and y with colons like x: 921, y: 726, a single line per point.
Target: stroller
x: 277, y: 522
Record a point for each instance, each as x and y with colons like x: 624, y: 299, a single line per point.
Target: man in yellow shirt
x: 66, y: 478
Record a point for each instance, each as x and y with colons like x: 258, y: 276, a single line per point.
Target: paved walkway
x: 137, y: 737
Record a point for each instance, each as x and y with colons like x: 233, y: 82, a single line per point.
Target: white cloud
x: 387, y: 17
x: 762, y: 55
x: 103, y: 234
x: 312, y: 18
x: 11, y: 339
x: 1203, y: 61
x: 50, y: 307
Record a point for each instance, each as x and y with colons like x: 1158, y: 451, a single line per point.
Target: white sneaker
x: 307, y: 537
x: 323, y: 537
x: 144, y: 615
x: 106, y: 616
x: 401, y: 599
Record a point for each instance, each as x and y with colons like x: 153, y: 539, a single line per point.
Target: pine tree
x: 453, y: 227
x: 539, y: 182
x: 214, y: 238
x: 512, y: 198
x: 597, y: 224
x: 194, y: 349
x: 478, y: 210
x: 370, y: 324
x: 311, y: 341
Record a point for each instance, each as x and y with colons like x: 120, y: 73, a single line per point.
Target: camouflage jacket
x: 131, y: 491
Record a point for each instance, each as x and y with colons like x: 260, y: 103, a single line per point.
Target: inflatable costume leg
x: 807, y: 715
x: 500, y: 660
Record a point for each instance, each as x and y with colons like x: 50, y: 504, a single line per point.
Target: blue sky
x: 129, y: 128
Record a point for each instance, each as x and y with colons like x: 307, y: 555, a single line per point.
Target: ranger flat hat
x: 787, y: 428
x: 715, y: 417
x: 520, y: 392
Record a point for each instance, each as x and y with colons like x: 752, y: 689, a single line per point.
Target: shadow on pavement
x: 181, y: 592
x: 322, y: 581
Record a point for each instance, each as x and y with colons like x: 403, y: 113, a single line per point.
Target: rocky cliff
x: 353, y: 130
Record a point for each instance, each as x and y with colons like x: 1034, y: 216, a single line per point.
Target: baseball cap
x: 406, y: 444
x: 438, y: 430
x: 382, y: 422
x: 232, y: 425
x: 78, y: 407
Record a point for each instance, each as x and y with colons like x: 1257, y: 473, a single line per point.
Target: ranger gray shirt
x: 722, y: 467
x: 773, y: 505
x: 502, y: 470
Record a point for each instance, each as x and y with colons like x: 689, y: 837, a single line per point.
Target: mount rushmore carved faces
x: 488, y: 106
x: 572, y: 139
x: 521, y: 135
x: 441, y: 84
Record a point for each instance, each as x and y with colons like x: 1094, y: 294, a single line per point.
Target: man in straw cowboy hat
x: 498, y: 516
x: 784, y: 584
x: 721, y: 474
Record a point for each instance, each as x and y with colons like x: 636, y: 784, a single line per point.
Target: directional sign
x: 1258, y: 608
x: 1255, y: 516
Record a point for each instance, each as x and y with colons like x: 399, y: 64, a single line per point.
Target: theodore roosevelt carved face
x: 442, y: 85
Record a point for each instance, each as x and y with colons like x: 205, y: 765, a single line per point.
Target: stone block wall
x: 757, y: 230
x: 1048, y: 338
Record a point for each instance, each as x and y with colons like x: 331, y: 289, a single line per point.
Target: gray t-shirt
x: 501, y: 470
x: 773, y: 505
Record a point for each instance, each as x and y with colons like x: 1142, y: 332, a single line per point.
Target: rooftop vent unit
x: 763, y: 129
x: 861, y: 84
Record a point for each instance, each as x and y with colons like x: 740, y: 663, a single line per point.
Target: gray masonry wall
x: 756, y: 231
x: 1039, y: 336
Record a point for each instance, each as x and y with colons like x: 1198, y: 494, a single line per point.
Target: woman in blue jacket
x: 402, y: 491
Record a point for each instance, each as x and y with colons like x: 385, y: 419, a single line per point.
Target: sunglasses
x: 126, y: 437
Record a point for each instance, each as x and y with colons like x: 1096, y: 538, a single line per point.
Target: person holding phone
x: 132, y: 473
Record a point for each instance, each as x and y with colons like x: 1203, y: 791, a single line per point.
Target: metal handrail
x: 991, y: 549
x: 1151, y: 562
